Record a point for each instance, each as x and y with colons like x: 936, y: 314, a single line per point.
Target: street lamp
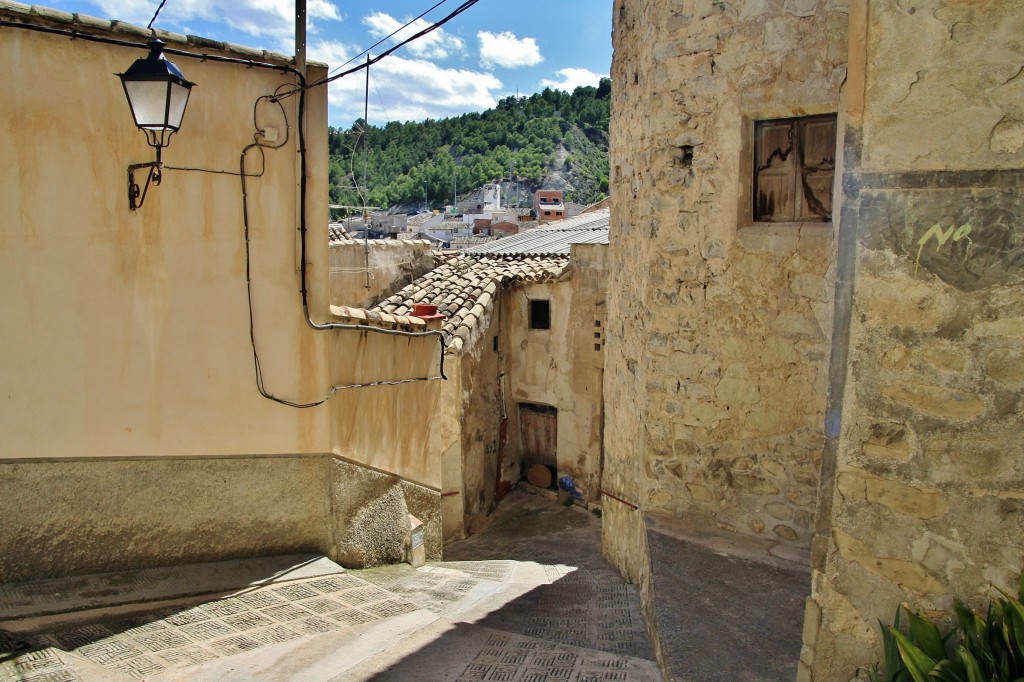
x: 157, y: 93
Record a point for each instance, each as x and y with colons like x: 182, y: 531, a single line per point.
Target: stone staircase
x: 526, y: 608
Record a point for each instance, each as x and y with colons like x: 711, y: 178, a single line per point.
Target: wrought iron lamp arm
x: 136, y: 195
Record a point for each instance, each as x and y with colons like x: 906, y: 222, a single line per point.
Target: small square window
x: 540, y: 314
x: 794, y: 167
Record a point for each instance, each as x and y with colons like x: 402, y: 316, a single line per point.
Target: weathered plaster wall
x: 584, y: 455
x: 128, y: 369
x: 74, y: 516
x: 482, y: 414
x: 396, y: 428
x: 718, y: 329
x: 130, y: 329
x: 391, y: 264
x: 559, y: 367
x: 538, y: 364
x: 923, y: 500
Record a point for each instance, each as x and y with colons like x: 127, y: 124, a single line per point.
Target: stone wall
x: 718, y: 328
x: 90, y: 516
x: 370, y: 512
x: 482, y: 414
x: 363, y: 273
x: 922, y: 496
x: 71, y: 517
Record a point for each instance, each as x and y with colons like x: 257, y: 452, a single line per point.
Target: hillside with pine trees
x: 551, y: 140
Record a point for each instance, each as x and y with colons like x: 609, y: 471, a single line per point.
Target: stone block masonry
x: 730, y: 353
x: 878, y: 354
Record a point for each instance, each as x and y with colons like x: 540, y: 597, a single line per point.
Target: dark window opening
x: 794, y: 166
x: 495, y: 344
x: 540, y: 314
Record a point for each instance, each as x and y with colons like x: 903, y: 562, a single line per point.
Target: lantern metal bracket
x: 137, y: 195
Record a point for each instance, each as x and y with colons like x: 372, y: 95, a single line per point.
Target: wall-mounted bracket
x: 137, y: 195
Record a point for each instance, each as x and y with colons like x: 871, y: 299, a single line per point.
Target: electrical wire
x: 260, y: 383
x: 156, y: 14
x: 388, y: 37
x: 419, y: 34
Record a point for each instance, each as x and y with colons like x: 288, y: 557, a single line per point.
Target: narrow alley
x: 528, y: 598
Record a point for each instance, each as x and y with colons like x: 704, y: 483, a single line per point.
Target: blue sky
x: 493, y: 49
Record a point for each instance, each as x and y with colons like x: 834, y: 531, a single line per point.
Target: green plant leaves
x: 926, y: 635
x: 918, y: 663
x: 991, y: 649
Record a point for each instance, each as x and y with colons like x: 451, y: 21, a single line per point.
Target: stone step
x: 53, y: 596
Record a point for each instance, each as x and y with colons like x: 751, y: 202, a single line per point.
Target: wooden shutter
x: 817, y: 167
x: 775, y: 171
x: 794, y: 167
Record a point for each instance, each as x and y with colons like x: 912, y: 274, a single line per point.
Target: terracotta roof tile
x: 464, y: 289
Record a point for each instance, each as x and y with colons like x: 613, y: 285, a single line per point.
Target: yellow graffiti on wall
x: 941, y: 236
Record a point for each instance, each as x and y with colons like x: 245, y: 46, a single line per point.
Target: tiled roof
x: 38, y: 14
x: 337, y: 232
x: 464, y: 289
x: 553, y: 238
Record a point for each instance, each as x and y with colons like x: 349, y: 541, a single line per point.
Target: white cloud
x: 411, y: 89
x: 274, y: 18
x: 572, y: 78
x: 505, y: 49
x: 435, y: 45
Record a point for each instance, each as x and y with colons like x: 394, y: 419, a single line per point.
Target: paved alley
x: 529, y: 598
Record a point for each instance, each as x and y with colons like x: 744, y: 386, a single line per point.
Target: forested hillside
x: 552, y: 139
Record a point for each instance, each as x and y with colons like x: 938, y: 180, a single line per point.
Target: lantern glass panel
x: 176, y: 109
x: 148, y: 100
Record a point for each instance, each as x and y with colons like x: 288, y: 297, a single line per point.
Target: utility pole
x: 366, y: 158
x: 426, y: 204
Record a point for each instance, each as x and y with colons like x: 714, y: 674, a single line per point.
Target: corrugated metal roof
x: 553, y: 238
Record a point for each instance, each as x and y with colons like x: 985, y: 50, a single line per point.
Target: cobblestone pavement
x: 529, y: 598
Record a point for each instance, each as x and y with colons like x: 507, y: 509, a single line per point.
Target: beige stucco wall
x: 584, y: 453
x: 719, y: 330
x: 134, y: 433
x: 559, y: 368
x: 126, y: 333
x: 391, y: 264
x: 924, y: 499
